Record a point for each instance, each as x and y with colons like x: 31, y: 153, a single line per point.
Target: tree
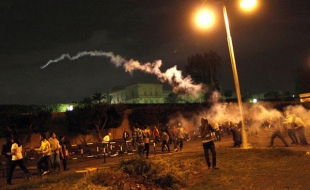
x: 84, y: 119
x: 22, y: 125
x: 205, y: 69
x: 247, y: 95
x: 272, y: 94
x: 152, y: 115
x: 302, y: 80
x: 98, y: 97
x: 87, y: 100
x: 173, y: 98
x: 228, y: 93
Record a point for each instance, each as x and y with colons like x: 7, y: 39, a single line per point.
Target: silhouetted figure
x: 237, y: 137
x: 278, y: 130
x: 208, y: 142
x: 64, y: 143
x: 300, y: 130
x: 290, y: 124
x: 6, y: 148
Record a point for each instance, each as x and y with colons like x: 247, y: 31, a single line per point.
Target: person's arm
x: 13, y: 150
x: 211, y: 128
x: 39, y: 149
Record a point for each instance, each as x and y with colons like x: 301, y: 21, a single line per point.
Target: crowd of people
x: 52, y: 151
x: 290, y: 125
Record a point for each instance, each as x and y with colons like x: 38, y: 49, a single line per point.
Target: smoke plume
x: 180, y: 84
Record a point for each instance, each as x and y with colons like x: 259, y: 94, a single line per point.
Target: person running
x: 55, y: 147
x: 207, y: 142
x: 290, y: 124
x: 156, y: 135
x: 146, y: 140
x: 278, y: 129
x: 45, y: 150
x: 180, y: 135
x: 165, y: 141
x: 17, y: 159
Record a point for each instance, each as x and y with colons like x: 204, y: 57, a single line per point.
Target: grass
x: 239, y: 169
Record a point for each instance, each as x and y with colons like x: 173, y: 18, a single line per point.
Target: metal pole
x: 235, y: 74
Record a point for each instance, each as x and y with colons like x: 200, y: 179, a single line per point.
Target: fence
x: 93, y: 150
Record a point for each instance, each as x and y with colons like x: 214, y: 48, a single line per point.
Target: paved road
x: 261, y: 142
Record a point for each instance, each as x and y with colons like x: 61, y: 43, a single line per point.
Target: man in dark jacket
x: 208, y: 142
x: 6, y: 148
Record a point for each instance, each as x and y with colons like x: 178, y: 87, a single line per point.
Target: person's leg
x: 181, y: 144
x: 46, y: 160
x: 290, y: 134
x: 301, y: 135
x: 206, y: 153
x: 7, y: 166
x: 57, y: 161
x: 140, y: 149
x: 282, y: 139
x: 22, y: 166
x: 39, y: 165
x: 52, y: 161
x: 295, y: 137
x: 64, y: 162
x: 219, y: 135
x: 11, y: 170
x: 272, y: 138
x: 212, y: 149
x: 147, y: 149
x: 168, y: 147
x: 125, y: 146
x: 163, y: 146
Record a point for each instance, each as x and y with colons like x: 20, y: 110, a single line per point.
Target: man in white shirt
x: 17, y: 159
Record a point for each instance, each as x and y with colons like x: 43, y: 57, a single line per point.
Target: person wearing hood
x: 208, y: 142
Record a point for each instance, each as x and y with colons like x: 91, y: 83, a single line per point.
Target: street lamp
x: 247, y: 4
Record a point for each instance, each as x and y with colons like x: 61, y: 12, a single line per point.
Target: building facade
x: 139, y: 93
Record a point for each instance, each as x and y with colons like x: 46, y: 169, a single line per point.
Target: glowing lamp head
x: 204, y: 18
x: 248, y: 4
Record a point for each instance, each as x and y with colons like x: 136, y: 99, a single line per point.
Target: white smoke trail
x: 173, y: 76
x: 117, y: 60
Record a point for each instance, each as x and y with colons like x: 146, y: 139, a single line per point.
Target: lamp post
x: 235, y: 74
x: 246, y: 4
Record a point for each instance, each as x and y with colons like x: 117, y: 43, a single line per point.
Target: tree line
x: 23, y: 121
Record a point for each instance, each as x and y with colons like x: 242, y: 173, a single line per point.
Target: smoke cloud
x: 180, y: 84
x: 256, y: 117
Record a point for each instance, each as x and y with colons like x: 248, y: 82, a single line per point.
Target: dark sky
x: 269, y: 44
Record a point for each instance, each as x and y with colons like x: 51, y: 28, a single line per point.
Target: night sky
x: 269, y: 44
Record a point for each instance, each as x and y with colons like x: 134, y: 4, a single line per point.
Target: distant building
x: 305, y: 97
x: 139, y: 93
x: 145, y: 93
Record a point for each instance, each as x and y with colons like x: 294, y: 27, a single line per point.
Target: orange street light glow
x: 248, y: 4
x: 204, y: 18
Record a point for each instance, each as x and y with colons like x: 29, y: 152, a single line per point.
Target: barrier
x: 92, y: 150
x: 30, y: 154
